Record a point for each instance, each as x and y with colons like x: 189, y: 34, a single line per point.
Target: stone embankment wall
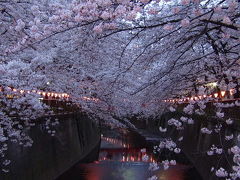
x: 76, y: 136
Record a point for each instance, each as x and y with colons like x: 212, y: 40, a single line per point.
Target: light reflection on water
x: 120, y: 160
x: 128, y: 171
x: 122, y: 152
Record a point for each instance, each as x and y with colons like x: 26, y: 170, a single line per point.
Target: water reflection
x: 129, y: 172
x: 121, y: 159
x: 124, y: 152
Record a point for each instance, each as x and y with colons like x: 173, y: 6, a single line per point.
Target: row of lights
x: 116, y: 141
x: 42, y: 93
x: 200, y: 97
x: 85, y: 98
x: 48, y: 94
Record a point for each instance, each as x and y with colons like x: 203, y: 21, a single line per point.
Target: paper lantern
x: 223, y: 93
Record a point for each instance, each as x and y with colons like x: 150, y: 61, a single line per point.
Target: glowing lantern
x: 14, y: 90
x: 223, y: 93
x: 43, y: 93
x: 48, y: 94
x: 21, y: 91
x: 231, y: 92
x: 216, y: 95
x: 34, y: 91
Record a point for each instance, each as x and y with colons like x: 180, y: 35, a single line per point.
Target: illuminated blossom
x: 162, y: 129
x: 176, y: 10
x: 206, y: 131
x: 145, y: 158
x: 105, y: 15
x: 153, y: 166
x: 185, y: 22
x: 185, y: 2
x: 168, y: 27
x: 221, y: 172
x: 98, y: 28
x: 229, y: 121
x: 172, y: 109
x: 154, y: 177
x: 177, y: 150
x: 220, y: 114
x: 227, y: 20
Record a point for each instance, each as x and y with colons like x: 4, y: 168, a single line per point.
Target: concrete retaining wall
x: 76, y: 136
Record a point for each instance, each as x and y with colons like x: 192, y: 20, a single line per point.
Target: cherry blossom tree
x: 117, y: 57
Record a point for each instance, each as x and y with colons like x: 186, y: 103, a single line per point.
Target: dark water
x: 120, y: 158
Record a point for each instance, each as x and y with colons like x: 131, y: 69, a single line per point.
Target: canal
x: 126, y: 155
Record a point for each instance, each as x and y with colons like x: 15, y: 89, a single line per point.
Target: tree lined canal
x: 122, y: 156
